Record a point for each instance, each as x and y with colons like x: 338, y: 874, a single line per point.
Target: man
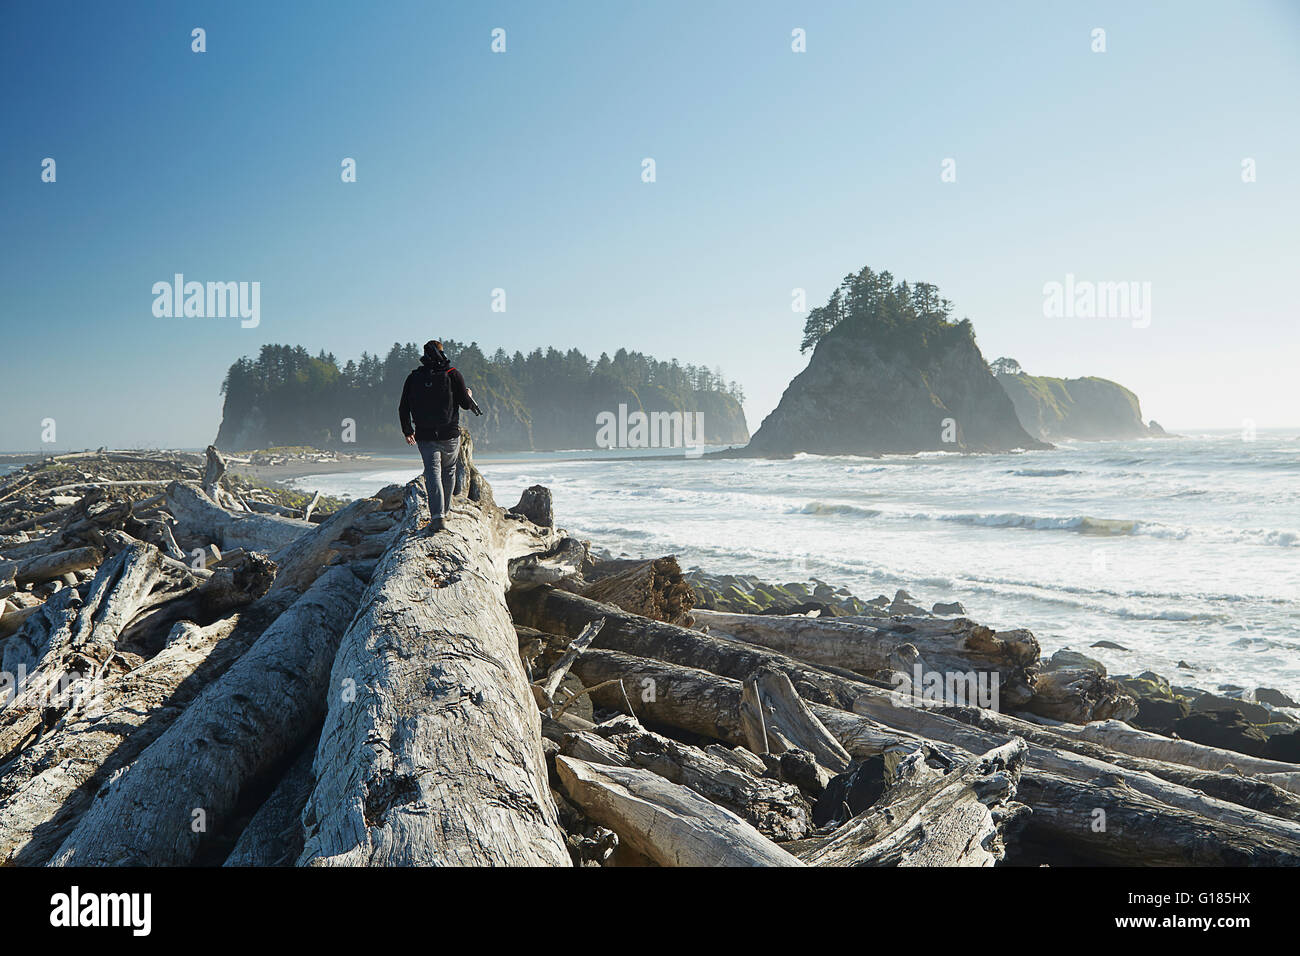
x: 432, y: 397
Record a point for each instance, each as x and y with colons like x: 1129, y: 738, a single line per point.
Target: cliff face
x: 860, y: 396
x: 1084, y: 408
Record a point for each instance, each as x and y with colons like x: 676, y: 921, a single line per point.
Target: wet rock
x: 1255, y: 713
x: 1274, y: 698
x: 1284, y: 747
x: 953, y: 607
x: 1159, y: 716
x: 1068, y: 658
x: 1222, y: 728
x: 1110, y: 645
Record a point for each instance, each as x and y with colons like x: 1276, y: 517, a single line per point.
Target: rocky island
x: 1090, y: 409
x: 544, y: 401
x: 890, y: 373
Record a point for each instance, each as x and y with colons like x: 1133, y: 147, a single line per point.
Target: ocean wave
x: 1111, y: 527
x: 824, y: 508
x: 1043, y: 472
x: 1080, y: 524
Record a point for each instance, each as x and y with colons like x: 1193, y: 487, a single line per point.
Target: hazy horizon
x: 522, y: 170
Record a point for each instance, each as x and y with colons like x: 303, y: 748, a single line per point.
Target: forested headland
x: 544, y: 400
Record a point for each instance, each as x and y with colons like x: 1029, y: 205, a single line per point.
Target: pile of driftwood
x: 356, y: 691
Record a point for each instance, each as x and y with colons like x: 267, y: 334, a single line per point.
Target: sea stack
x: 890, y: 374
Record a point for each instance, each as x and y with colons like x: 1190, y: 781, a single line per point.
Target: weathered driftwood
x: 670, y: 824
x: 579, y: 644
x: 653, y: 589
x: 273, y: 837
x: 559, y: 612
x: 700, y: 702
x: 929, y: 818
x: 1105, y: 822
x: 945, y: 645
x: 775, y: 809
x: 775, y: 720
x: 1078, y: 695
x: 303, y: 559
x: 431, y: 749
x: 230, y: 586
x: 71, y: 644
x: 212, y: 472
x: 244, y: 727
x: 46, y: 567
x: 1121, y: 737
x: 200, y: 516
x: 561, y: 563
x: 1229, y: 817
x: 12, y: 619
x: 1260, y: 793
x: 46, y: 788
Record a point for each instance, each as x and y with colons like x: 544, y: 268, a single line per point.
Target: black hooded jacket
x: 432, y: 399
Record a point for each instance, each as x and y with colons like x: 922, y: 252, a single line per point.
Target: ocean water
x: 1180, y: 550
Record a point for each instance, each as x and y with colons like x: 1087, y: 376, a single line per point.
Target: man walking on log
x: 432, y: 398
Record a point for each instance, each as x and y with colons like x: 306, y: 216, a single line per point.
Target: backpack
x: 432, y: 402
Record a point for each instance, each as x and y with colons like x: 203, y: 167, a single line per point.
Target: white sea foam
x: 1179, y: 549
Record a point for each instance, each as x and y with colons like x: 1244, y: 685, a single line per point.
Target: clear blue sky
x: 522, y: 170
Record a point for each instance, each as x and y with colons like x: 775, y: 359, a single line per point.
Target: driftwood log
x: 929, y: 818
x: 670, y: 824
x: 198, y: 515
x: 653, y: 589
x: 245, y: 726
x: 775, y: 809
x: 944, y: 645
x: 431, y: 749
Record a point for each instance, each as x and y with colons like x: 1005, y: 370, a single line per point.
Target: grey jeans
x: 439, y: 473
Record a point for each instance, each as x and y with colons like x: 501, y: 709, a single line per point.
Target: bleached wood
x: 775, y: 720
x: 1117, y: 735
x: 945, y: 645
x: 200, y: 516
x: 438, y: 759
x: 670, y: 824
x: 929, y: 818
x: 249, y: 722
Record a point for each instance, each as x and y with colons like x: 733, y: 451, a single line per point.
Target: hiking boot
x: 434, y: 526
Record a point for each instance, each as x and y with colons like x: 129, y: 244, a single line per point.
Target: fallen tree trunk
x: 775, y: 809
x: 69, y: 646
x: 200, y: 516
x: 46, y: 567
x: 1119, y: 736
x: 45, y: 790
x: 670, y: 824
x: 559, y: 612
x: 699, y: 702
x: 1104, y: 822
x: 438, y: 760
x: 244, y: 727
x: 1256, y: 793
x: 653, y: 589
x: 47, y: 787
x: 928, y: 818
x: 1232, y: 819
x: 947, y: 646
